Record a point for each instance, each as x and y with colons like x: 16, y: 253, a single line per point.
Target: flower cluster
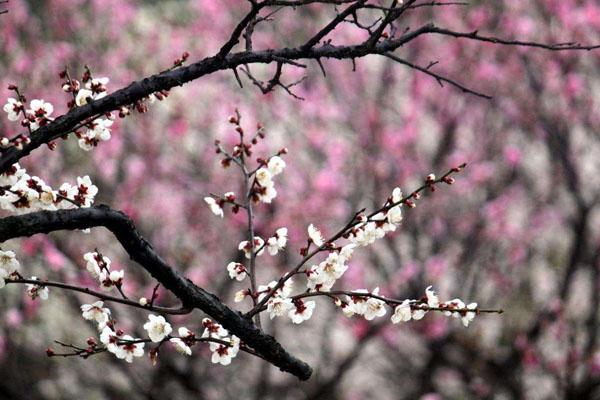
x: 99, y: 267
x: 22, y: 193
x: 97, y: 313
x: 264, y: 186
x: 369, y: 307
x: 224, y: 352
x: 416, y: 309
x: 88, y: 90
x: 124, y: 347
x: 34, y: 290
x: 323, y: 276
x: 8, y: 265
x: 370, y: 229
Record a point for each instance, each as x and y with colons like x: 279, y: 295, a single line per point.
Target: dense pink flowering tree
x: 362, y: 130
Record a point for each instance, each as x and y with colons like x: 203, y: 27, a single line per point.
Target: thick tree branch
x: 177, y: 77
x: 142, y: 252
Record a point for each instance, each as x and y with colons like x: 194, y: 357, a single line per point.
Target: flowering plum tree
x: 328, y: 30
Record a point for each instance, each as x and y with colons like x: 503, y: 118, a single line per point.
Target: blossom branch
x: 224, y: 60
x: 355, y: 220
x: 142, y: 252
x: 103, y: 296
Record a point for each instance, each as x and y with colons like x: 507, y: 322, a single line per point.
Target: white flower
x: 276, y: 165
x: 213, y: 329
x: 470, y: 315
x: 129, y: 350
x: 432, y: 299
x: 367, y: 233
x: 101, y: 129
x: 277, y: 242
x: 374, y: 307
x: 394, y: 215
x: 277, y: 306
x: 86, y: 191
x: 116, y: 277
x: 315, y: 235
x: 40, y: 108
x: 12, y: 175
x: 158, y: 328
x: 264, y: 177
x: 8, y: 262
x: 185, y: 332
x: 402, y: 312
x: 236, y: 271
x: 181, y: 347
x: 347, y: 251
x: 93, y: 263
x: 396, y: 195
x: 302, y: 311
x: 214, y: 206
x: 82, y: 97
x: 3, y: 276
x: 95, y: 312
x: 13, y: 109
x: 418, y: 314
x: 240, y: 295
x: 453, y: 304
x: 35, y: 291
x: 109, y: 338
x: 246, y: 247
x: 358, y: 304
x: 267, y: 192
x: 223, y: 354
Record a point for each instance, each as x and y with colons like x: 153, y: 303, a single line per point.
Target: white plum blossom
x: 282, y: 292
x: 96, y: 312
x: 82, y: 97
x: 374, y: 307
x: 323, y: 276
x: 278, y: 306
x: 185, y: 332
x: 41, y: 108
x: 3, y: 276
x: 109, y: 338
x: 470, y: 315
x: 396, y: 195
x: 432, y: 299
x: 453, y: 304
x: 276, y: 165
x: 13, y: 108
x: 214, y: 206
x: 236, y: 271
x: 213, y: 329
x: 358, y: 304
x: 315, y: 235
x: 157, y: 327
x: 181, y: 347
x: 8, y: 265
x: 302, y: 311
x: 97, y: 131
x: 277, y: 242
x: 129, y: 350
x: 34, y: 291
x: 222, y: 354
x: 264, y: 177
x: 246, y: 247
x: 95, y: 264
x: 267, y: 193
x: 402, y: 312
x: 12, y: 175
x: 240, y: 295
